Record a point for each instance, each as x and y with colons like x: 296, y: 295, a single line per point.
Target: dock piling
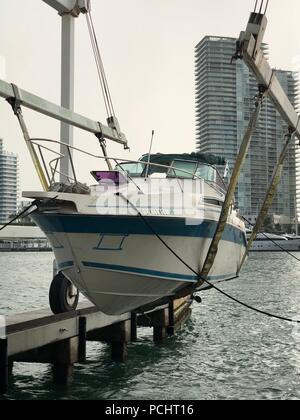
x: 82, y: 340
x: 171, y: 324
x: 4, y: 366
x: 66, y: 353
x: 167, y: 320
x: 117, y: 335
x: 119, y: 351
x: 160, y: 322
x: 133, y: 327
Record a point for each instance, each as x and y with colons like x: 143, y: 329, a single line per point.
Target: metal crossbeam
x: 38, y: 104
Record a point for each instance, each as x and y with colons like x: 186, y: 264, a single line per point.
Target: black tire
x: 197, y: 299
x: 60, y: 299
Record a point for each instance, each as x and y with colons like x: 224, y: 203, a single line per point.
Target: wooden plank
x: 99, y: 320
x: 32, y: 330
x: 38, y: 318
x: 179, y: 302
x: 37, y: 329
x: 33, y: 338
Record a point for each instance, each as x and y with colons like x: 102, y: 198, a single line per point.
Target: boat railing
x: 51, y: 171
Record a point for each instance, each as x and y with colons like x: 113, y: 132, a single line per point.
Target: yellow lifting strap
x: 104, y: 151
x: 15, y: 103
x: 276, y: 177
x: 229, y: 199
x: 34, y: 156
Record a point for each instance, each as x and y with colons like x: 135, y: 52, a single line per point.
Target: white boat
x: 274, y: 243
x: 117, y: 241
x: 107, y: 239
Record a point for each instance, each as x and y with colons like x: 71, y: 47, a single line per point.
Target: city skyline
x: 8, y: 184
x: 225, y: 96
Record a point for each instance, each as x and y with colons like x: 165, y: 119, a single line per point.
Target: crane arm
x: 249, y: 49
x: 35, y: 103
x: 73, y: 7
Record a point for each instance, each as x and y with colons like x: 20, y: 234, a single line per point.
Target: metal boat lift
x: 69, y: 10
x: 66, y: 116
x: 249, y: 48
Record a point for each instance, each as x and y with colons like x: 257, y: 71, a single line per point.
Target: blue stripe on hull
x: 134, y: 225
x: 65, y: 265
x: 143, y: 271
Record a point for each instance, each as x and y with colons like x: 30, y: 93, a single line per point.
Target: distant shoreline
x: 25, y: 250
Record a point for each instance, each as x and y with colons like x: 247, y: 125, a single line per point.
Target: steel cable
x: 100, y: 67
x: 19, y: 216
x: 232, y: 298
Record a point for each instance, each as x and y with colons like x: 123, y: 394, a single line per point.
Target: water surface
x: 224, y: 352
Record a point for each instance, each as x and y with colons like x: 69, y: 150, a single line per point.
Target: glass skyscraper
x: 8, y: 184
x: 225, y: 95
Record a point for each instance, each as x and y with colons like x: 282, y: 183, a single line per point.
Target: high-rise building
x: 8, y: 184
x: 225, y: 95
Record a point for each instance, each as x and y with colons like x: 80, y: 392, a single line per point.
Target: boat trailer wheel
x: 63, y: 296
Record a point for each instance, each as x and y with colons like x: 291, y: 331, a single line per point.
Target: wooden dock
x: 60, y: 340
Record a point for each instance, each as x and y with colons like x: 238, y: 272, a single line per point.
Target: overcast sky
x: 148, y: 52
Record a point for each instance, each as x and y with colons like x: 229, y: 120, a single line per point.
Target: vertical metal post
x: 67, y: 88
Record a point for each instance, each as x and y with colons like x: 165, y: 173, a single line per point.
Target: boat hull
x: 120, y: 265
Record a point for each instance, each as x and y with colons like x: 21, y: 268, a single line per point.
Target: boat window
x: 206, y: 172
x: 182, y: 169
x: 115, y: 177
x: 133, y: 169
x: 213, y: 201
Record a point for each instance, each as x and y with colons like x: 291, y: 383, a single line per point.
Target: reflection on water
x: 224, y: 352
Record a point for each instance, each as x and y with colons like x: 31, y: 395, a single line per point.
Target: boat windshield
x: 207, y: 172
x: 178, y: 169
x: 190, y: 170
x: 182, y: 169
x: 133, y: 169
